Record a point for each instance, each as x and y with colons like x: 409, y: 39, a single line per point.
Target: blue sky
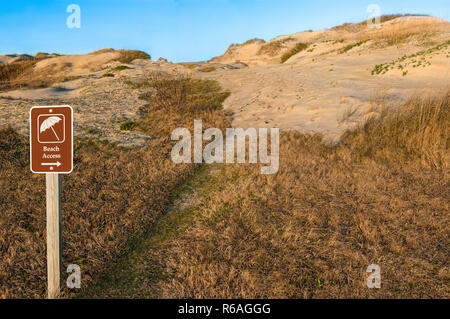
x: 179, y: 30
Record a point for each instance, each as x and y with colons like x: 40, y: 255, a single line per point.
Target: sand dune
x: 327, y: 86
x: 314, y: 89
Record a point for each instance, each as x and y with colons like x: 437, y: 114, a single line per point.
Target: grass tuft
x: 296, y: 49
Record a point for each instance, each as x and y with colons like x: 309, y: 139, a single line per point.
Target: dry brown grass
x: 421, y: 32
x: 10, y: 72
x: 112, y: 196
x: 417, y: 131
x: 311, y: 230
x: 21, y: 74
x: 179, y: 100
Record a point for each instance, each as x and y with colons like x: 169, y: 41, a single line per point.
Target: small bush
x: 127, y: 126
x: 108, y: 75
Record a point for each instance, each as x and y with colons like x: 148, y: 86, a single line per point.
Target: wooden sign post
x: 54, y: 242
x: 51, y: 153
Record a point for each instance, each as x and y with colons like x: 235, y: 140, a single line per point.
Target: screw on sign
x: 51, y: 153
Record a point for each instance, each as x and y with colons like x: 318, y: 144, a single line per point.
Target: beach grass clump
x: 299, y: 47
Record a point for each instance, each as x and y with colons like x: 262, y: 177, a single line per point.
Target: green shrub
x: 127, y: 126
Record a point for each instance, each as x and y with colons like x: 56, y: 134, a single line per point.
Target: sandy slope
x: 313, y: 96
x: 313, y: 90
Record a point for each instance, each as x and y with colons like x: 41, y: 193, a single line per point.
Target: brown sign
x: 51, y: 135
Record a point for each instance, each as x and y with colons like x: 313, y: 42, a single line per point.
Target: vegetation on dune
x: 101, y: 51
x: 254, y: 40
x: 127, y: 125
x: 417, y: 131
x: 207, y: 69
x: 72, y: 78
x: 351, y: 46
x: 190, y: 66
x: 418, y: 31
x: 21, y: 74
x: 415, y: 60
x: 355, y: 27
x: 272, y: 48
x: 182, y: 94
x: 128, y: 56
x: 389, y: 17
x: 296, y: 49
x: 311, y: 230
x: 108, y: 75
x: 119, y: 68
x: 10, y: 72
x: 181, y: 100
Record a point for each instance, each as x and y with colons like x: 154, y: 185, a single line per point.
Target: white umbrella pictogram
x: 49, y: 123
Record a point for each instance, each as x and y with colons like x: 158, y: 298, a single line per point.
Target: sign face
x: 51, y: 139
